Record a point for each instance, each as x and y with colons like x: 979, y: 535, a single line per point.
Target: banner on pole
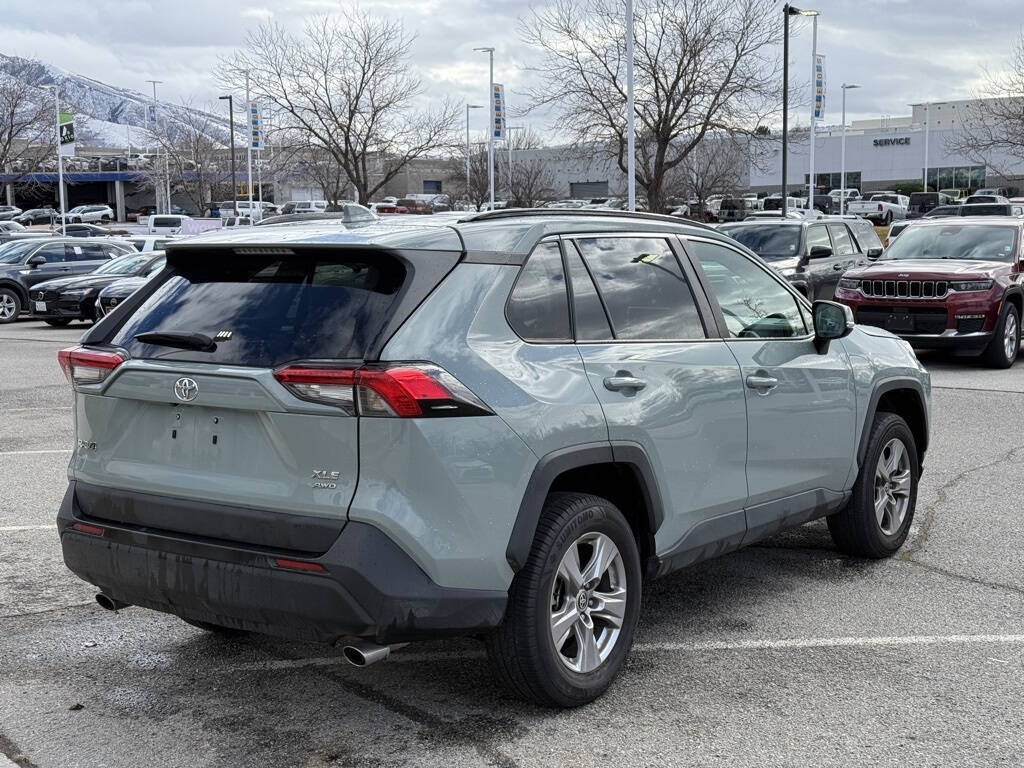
x: 498, y: 114
x: 819, y: 87
x: 66, y: 130
x: 255, y: 127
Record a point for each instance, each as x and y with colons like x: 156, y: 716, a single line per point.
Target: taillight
x: 86, y: 366
x: 403, y: 390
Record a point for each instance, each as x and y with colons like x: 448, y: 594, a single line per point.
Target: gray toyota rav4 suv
x: 498, y: 426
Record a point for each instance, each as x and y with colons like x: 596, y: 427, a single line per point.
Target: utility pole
x: 490, y: 130
x: 167, y: 162
x: 630, y: 113
x: 231, y: 124
x: 248, y: 143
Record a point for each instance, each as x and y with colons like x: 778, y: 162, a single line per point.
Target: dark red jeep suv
x: 947, y: 284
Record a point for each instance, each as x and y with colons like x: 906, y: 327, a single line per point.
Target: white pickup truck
x: 881, y: 207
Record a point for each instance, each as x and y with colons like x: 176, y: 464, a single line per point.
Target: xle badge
x: 325, y: 478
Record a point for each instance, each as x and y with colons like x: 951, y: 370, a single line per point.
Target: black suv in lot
x: 24, y: 263
x: 811, y: 254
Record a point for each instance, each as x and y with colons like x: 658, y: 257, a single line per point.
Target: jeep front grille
x: 904, y: 289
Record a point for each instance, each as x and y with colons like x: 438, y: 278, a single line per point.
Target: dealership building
x: 887, y: 151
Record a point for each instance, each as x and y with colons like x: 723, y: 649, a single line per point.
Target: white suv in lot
x: 90, y: 213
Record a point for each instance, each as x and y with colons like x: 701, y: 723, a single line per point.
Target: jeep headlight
x: 849, y: 283
x: 970, y: 285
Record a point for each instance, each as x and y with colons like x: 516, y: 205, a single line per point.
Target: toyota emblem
x: 185, y: 389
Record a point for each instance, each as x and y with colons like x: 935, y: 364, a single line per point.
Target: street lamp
x: 490, y: 127
x: 842, y: 154
x: 60, y: 161
x: 787, y: 11
x: 508, y: 138
x: 231, y: 123
x: 630, y: 114
x: 469, y: 107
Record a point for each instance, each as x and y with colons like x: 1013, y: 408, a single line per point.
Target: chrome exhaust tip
x: 110, y: 604
x: 366, y: 653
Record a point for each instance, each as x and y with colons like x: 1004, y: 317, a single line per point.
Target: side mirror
x: 36, y: 261
x: 832, y: 320
x: 820, y: 252
x: 873, y: 253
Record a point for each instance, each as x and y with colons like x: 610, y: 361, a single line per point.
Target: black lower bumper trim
x: 369, y: 588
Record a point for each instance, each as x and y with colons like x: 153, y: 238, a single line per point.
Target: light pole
x: 60, y: 161
x: 842, y: 153
x: 167, y: 161
x: 630, y: 113
x: 927, y: 127
x: 787, y: 11
x: 231, y: 124
x: 490, y: 129
x: 469, y: 107
x: 814, y: 79
x: 508, y: 139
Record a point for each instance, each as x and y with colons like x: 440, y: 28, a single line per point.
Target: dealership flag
x: 498, y: 115
x: 67, y: 134
x: 255, y: 128
x: 819, y: 87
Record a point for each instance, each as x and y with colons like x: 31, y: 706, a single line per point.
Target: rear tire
x: 877, y: 519
x: 582, y: 578
x: 216, y: 629
x: 1002, y: 351
x: 10, y: 306
x: 59, y: 322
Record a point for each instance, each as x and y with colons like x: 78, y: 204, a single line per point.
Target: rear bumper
x: 369, y: 587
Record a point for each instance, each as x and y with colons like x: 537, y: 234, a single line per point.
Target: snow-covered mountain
x: 107, y: 116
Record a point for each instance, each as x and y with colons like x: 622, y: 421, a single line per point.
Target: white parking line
x: 12, y: 528
x: 738, y: 645
x: 35, y: 453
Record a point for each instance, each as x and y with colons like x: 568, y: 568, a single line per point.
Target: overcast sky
x: 901, y: 51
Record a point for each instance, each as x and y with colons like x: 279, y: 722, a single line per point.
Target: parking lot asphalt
x: 785, y: 653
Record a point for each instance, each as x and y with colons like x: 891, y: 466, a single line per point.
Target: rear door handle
x: 616, y: 383
x: 762, y: 382
x: 838, y: 266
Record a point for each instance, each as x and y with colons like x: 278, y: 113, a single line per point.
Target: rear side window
x: 276, y: 309
x: 588, y: 313
x: 841, y: 239
x: 538, y: 309
x: 644, y: 290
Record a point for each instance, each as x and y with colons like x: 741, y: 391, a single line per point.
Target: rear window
x: 166, y: 221
x: 276, y: 308
x: 769, y: 241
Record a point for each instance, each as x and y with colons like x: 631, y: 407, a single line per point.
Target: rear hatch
x: 194, y: 433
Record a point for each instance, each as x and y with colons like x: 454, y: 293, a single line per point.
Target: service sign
x: 66, y: 130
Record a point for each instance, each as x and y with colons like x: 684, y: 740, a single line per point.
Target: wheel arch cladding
x: 1016, y: 298
x: 618, y: 471
x: 904, y: 397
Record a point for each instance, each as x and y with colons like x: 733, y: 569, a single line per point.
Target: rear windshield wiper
x: 197, y: 341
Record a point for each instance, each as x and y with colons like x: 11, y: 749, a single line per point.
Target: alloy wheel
x: 1010, y: 336
x: 588, y: 602
x: 892, y: 486
x: 8, y: 306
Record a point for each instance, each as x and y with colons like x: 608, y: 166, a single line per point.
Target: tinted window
x: 278, y: 309
x: 769, y: 240
x: 124, y: 266
x: 817, y: 236
x: 53, y: 253
x: 87, y: 252
x: 841, y: 242
x: 538, y: 308
x: 955, y: 241
x: 753, y: 302
x: 643, y: 288
x: 166, y: 221
x: 588, y: 313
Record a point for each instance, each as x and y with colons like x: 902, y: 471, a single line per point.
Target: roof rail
x: 515, y: 213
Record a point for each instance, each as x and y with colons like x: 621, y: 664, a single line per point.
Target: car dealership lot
x: 784, y: 653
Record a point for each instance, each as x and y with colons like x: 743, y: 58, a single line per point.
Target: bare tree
x: 991, y: 130
x: 196, y: 162
x: 529, y: 177
x: 700, y: 66
x: 715, y: 166
x: 478, y: 192
x: 26, y: 126
x: 346, y: 84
